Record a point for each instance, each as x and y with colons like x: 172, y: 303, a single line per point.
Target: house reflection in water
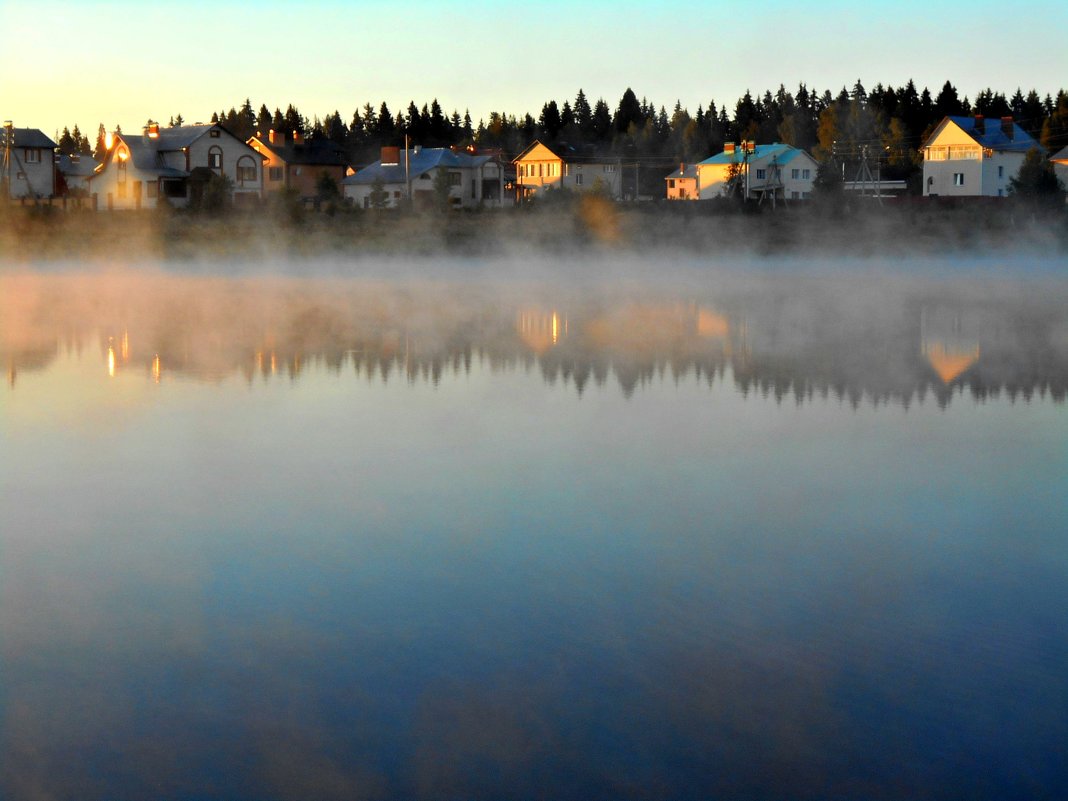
x: 949, y: 341
x: 540, y: 330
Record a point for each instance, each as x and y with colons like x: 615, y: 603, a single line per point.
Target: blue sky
x: 122, y: 62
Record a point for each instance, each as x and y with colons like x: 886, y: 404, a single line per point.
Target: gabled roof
x: 419, y: 162
x: 568, y: 153
x: 1060, y: 155
x: 310, y: 152
x: 782, y: 154
x: 991, y: 135
x: 687, y: 171
x: 32, y: 137
x: 82, y: 168
x: 146, y: 155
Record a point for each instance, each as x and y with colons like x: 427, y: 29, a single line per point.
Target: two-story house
x: 174, y: 163
x: 474, y: 179
x: 297, y: 164
x: 682, y: 183
x: 29, y: 169
x: 973, y: 157
x: 783, y: 170
x: 540, y: 168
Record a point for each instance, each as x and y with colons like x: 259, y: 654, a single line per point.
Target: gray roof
x: 82, y: 168
x: 688, y: 171
x: 1060, y: 155
x: 419, y: 163
x: 314, y: 152
x: 32, y: 137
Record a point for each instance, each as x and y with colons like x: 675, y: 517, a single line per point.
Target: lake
x: 492, y: 530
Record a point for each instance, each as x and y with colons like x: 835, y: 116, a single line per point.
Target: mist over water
x: 501, y: 528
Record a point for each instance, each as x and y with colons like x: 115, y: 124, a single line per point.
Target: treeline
x: 886, y: 121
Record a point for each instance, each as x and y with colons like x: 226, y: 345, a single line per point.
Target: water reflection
x: 781, y: 337
x: 306, y: 566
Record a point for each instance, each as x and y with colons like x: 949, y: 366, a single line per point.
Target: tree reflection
x: 784, y: 339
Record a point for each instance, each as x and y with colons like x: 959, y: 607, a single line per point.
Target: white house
x: 973, y: 157
x: 29, y: 169
x: 541, y: 167
x: 782, y: 170
x: 474, y: 179
x: 174, y: 163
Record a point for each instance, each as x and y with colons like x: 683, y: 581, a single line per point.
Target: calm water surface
x: 772, y: 535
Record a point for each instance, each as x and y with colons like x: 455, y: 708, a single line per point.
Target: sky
x: 123, y: 62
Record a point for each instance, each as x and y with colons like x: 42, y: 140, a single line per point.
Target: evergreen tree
x: 263, y: 120
x: 101, y: 149
x: 1036, y: 183
x: 600, y: 122
x: 628, y: 112
x: 583, y: 116
x: 66, y: 143
x: 549, y: 122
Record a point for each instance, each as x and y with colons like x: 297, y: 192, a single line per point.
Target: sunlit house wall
x: 973, y: 157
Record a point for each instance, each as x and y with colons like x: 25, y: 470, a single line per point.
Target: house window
x: 152, y: 189
x: 682, y: 194
x: 958, y: 179
x: 1001, y: 171
x: 122, y: 189
x: 795, y: 174
x: 578, y: 179
x: 671, y: 184
x: 762, y: 174
x: 609, y: 167
x: 567, y: 170
x: 455, y: 179
x: 795, y: 195
x: 963, y: 153
x: 246, y: 169
x: 215, y: 158
x: 274, y: 173
x: 121, y: 176
x: 367, y: 202
x: 806, y: 174
x: 214, y: 133
x: 33, y: 156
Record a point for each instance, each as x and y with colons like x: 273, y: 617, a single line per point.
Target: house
x: 294, y: 163
x: 29, y: 169
x: 540, y: 168
x: 474, y: 179
x: 780, y: 170
x: 74, y: 172
x: 174, y: 163
x: 682, y: 184
x: 1060, y: 165
x: 973, y: 157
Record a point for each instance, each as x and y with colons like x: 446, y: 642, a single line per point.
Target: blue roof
x: 993, y: 135
x: 419, y: 162
x: 780, y: 152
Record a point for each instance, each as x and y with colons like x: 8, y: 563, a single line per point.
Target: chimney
x: 298, y: 138
x: 390, y: 155
x: 1007, y: 128
x: 980, y: 124
x: 274, y: 137
x: 682, y: 168
x: 729, y: 148
x: 152, y: 130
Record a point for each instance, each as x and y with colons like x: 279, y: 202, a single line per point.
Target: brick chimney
x: 980, y: 124
x: 390, y: 155
x: 298, y: 138
x: 274, y: 137
x: 728, y: 148
x: 1007, y: 128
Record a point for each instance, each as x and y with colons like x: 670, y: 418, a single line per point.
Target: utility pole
x: 407, y: 172
x: 9, y: 142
